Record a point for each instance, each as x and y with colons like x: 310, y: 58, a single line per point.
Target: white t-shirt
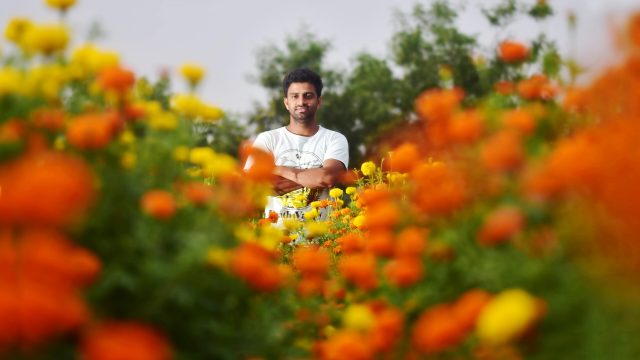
x: 300, y: 152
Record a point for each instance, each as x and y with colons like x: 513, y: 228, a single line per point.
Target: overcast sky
x: 224, y: 35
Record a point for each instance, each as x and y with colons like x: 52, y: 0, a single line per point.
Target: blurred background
x: 226, y: 37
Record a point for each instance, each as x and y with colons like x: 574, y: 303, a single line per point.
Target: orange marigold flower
x: 347, y: 345
x: 197, y: 193
x: 633, y: 29
x: 351, y: 242
x: 46, y: 189
x: 311, y: 285
x: 438, y: 104
x: 93, y: 131
x: 380, y: 243
x: 520, y: 120
x: 360, y: 269
x: 159, y: 204
x: 411, y: 241
x: 261, y: 164
x: 436, y: 330
x: 51, y: 119
x: 371, y: 196
x: 311, y: 260
x: 116, y: 79
x: 403, y: 158
x: 256, y: 265
x: 504, y: 87
x: 382, y: 215
x: 45, y: 311
x: 40, y: 274
x: 575, y: 99
x: 500, y: 225
x: 466, y: 127
x: 124, y: 341
x: 273, y: 217
x: 537, y: 87
x: 503, y: 151
x: 49, y: 257
x: 134, y: 112
x: 512, y: 51
x: 12, y: 131
x: 469, y: 306
x: 388, y: 328
x: 403, y: 271
x: 439, y: 189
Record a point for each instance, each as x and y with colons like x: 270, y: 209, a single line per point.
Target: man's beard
x: 305, y: 117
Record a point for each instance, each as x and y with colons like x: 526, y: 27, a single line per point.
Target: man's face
x: 302, y: 102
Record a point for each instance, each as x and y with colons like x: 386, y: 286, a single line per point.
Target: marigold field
x: 503, y: 228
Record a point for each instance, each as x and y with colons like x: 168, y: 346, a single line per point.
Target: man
x: 309, y: 158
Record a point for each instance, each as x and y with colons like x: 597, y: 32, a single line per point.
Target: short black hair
x: 302, y: 75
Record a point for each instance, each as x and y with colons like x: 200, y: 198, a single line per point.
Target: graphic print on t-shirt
x: 296, y: 203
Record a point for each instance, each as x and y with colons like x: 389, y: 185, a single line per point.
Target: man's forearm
x: 311, y: 178
x: 283, y: 185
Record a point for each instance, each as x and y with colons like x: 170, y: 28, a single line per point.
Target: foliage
x: 428, y: 50
x: 498, y: 224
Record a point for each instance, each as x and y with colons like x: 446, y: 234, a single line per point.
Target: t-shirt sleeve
x: 338, y: 149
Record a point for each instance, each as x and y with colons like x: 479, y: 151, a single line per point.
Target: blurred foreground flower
x: 124, y: 341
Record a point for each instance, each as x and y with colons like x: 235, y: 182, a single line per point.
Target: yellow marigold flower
x: 506, y: 316
x: 90, y: 59
x: 218, y: 257
x: 128, y: 160
x: 211, y: 113
x: 270, y: 236
x: 163, y: 121
x: 188, y: 105
x: 59, y: 143
x: 16, y: 29
x: 368, y: 168
x: 45, y: 81
x: 335, y: 193
x: 62, y: 5
x: 358, y: 317
x: 127, y: 137
x: 358, y: 221
x: 328, y: 331
x: 291, y: 224
x: 350, y: 190
x: 220, y: 164
x: 181, y: 153
x: 243, y: 233
x: 45, y: 39
x: 396, y: 178
x: 202, y: 155
x: 193, y: 73
x: 152, y: 107
x: 299, y: 201
x: 10, y: 81
x: 194, y: 172
x: 445, y: 73
x: 311, y: 214
x: 315, y: 204
x: 316, y: 228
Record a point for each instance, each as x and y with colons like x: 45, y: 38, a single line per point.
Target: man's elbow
x: 330, y: 179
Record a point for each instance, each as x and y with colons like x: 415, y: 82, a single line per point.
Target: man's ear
x: 286, y: 103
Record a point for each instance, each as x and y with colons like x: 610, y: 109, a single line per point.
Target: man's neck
x: 303, y: 129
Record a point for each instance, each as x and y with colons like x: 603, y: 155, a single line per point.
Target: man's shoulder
x: 272, y: 132
x: 333, y: 134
